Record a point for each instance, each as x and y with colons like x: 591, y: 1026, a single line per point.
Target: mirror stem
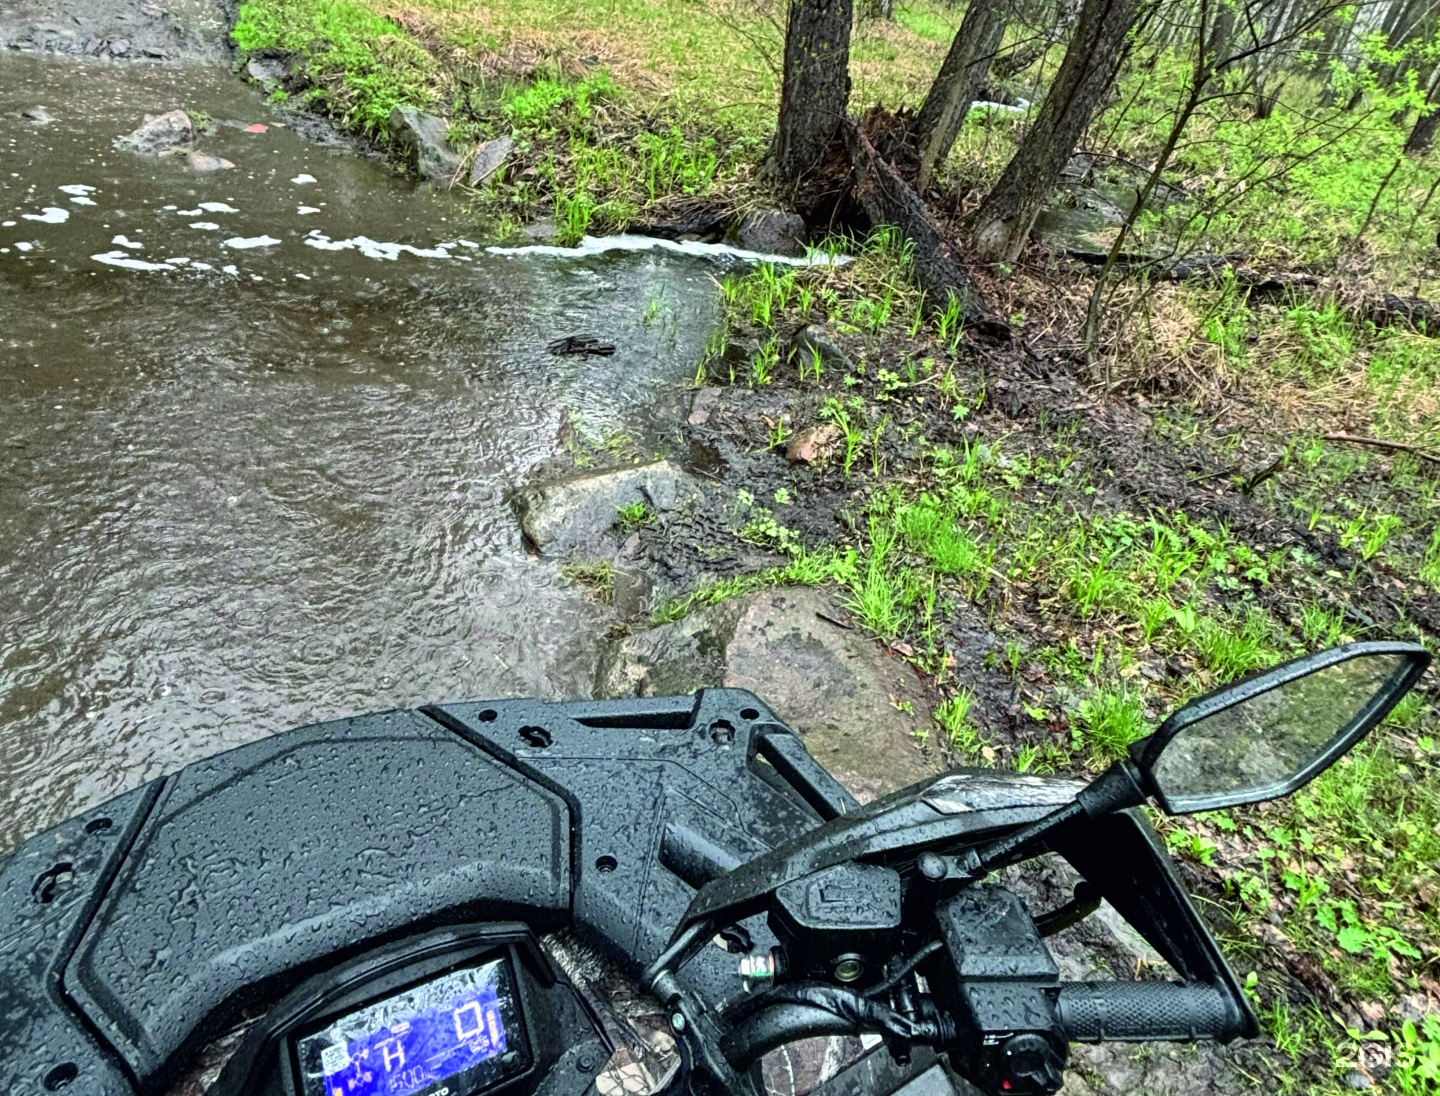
x: 1118, y: 787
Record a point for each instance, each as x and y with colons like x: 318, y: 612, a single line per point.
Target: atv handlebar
x: 1092, y: 1012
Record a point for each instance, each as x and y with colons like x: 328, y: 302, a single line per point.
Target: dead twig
x: 1381, y: 443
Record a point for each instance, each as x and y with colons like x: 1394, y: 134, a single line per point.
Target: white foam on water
x: 201, y: 266
x: 177, y: 262
x: 170, y: 208
x: 50, y: 215
x: 78, y: 190
x: 128, y: 262
x: 374, y: 249
x: 205, y: 226
x: 231, y: 269
x: 303, y: 179
x: 8, y: 224
x: 1018, y: 108
x: 80, y: 199
x: 244, y: 243
x: 591, y: 246
x: 218, y: 207
x: 24, y: 246
x: 305, y: 211
x: 125, y: 241
x: 189, y: 212
x: 302, y: 277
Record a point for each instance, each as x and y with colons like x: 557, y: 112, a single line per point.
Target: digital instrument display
x: 452, y: 1036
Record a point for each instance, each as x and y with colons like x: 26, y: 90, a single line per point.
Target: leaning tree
x: 1099, y: 44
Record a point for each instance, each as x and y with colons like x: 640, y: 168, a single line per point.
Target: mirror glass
x: 1254, y: 749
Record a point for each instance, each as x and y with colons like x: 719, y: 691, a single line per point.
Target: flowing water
x: 254, y: 453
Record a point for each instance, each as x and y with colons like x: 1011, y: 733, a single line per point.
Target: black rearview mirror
x: 1271, y: 734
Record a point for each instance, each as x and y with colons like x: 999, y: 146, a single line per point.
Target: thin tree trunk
x: 816, y: 88
x: 955, y: 88
x: 1101, y: 38
x: 1423, y: 132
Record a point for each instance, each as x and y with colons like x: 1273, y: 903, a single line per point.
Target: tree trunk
x: 889, y: 200
x: 1101, y: 38
x: 955, y: 88
x: 816, y: 88
x: 1423, y: 132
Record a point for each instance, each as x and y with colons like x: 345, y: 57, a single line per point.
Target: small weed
x: 1321, y: 627
x: 953, y: 715
x: 1112, y: 719
x: 762, y: 369
x: 836, y: 412
x: 598, y: 578
x: 633, y: 516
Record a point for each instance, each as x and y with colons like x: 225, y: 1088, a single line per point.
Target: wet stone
x: 265, y: 70
x: 39, y: 115
x: 772, y: 232
x: 162, y: 133
x: 490, y: 157
x: 574, y: 515
x: 815, y: 339
x: 424, y: 143
x: 204, y: 163
x: 858, y: 708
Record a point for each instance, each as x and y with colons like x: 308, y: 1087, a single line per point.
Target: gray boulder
x: 858, y: 708
x: 424, y: 144
x: 490, y: 157
x: 574, y: 515
x: 39, y: 115
x: 159, y: 134
x: 772, y: 232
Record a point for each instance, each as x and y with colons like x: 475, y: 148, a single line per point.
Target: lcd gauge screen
x: 452, y: 1036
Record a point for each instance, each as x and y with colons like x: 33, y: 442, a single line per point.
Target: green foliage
x: 1112, y: 719
x: 808, y: 569
x: 1417, y: 1057
x: 361, y: 64
x: 953, y: 716
x: 633, y: 516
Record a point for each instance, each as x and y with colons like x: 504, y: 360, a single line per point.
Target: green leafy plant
x: 633, y: 516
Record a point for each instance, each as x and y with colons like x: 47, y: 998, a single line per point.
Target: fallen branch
x: 1381, y: 443
x: 890, y: 200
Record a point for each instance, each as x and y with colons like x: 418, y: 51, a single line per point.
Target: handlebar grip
x: 1093, y: 1012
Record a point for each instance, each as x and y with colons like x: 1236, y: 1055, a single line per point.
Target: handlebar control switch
x: 1002, y: 994
x: 1027, y: 1065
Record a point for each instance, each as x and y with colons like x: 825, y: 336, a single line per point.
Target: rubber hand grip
x: 1093, y: 1012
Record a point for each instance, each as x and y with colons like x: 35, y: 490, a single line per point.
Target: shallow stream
x: 257, y: 430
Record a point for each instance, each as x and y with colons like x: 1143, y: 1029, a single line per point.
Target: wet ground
x: 257, y: 430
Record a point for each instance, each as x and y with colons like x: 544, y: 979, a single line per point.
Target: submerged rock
x: 423, y: 140
x: 772, y: 232
x: 858, y: 708
x: 561, y: 518
x: 490, y: 157
x: 162, y: 133
x: 203, y: 162
x: 39, y: 115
